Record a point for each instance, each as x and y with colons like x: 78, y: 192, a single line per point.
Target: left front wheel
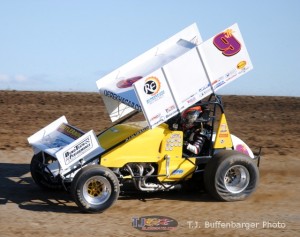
x: 95, y: 188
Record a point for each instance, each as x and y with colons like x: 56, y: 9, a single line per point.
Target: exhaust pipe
x: 140, y: 183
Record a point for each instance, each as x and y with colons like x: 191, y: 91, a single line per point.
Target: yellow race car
x: 153, y: 160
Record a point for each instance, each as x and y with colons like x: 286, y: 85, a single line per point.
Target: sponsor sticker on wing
x: 78, y: 150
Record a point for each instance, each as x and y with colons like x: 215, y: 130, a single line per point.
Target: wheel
x: 95, y: 188
x: 42, y: 178
x: 231, y: 176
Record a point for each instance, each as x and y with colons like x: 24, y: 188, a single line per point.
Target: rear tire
x: 40, y: 176
x: 95, y: 188
x: 231, y: 176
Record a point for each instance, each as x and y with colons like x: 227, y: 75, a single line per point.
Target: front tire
x: 231, y: 176
x: 95, y: 188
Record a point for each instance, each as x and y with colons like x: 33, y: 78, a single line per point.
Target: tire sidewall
x: 38, y: 177
x: 224, y: 166
x: 81, y: 178
x: 216, y: 169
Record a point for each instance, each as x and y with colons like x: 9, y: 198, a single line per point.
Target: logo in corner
x: 152, y: 85
x: 154, y: 223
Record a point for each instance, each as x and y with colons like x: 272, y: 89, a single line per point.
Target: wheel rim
x: 236, y: 179
x: 97, y: 190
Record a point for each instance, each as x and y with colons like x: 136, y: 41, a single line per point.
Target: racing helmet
x: 191, y: 114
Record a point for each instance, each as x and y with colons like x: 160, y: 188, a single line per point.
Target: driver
x: 194, y: 135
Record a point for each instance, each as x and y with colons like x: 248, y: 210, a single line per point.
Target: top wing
x: 175, y: 74
x: 117, y: 88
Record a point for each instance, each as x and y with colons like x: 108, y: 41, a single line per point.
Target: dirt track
x: 274, y: 210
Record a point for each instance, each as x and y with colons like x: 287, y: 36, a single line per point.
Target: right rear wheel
x: 231, y: 176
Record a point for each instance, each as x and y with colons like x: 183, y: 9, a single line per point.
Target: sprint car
x: 152, y: 160
x: 149, y: 155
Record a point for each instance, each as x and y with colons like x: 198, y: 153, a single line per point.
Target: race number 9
x: 227, y: 43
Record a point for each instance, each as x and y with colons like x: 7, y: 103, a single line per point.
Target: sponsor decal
x: 177, y: 171
x: 204, y: 90
x: 54, y: 142
x: 223, y: 135
x: 242, y: 148
x: 152, y: 86
x: 135, y: 134
x: 223, y: 138
x: 241, y: 64
x: 243, y: 70
x: 155, y: 97
x: 122, y: 100
x: 230, y: 75
x: 113, y: 129
x: 70, y: 131
x: 154, y: 223
x: 191, y: 100
x: 78, y: 150
x: 223, y: 132
x: 223, y: 128
x: 220, y: 83
x: 155, y: 117
x: 126, y: 83
x: 169, y: 109
x: 223, y: 79
x: 227, y: 43
x: 175, y: 140
x: 171, y: 114
x: 161, y: 119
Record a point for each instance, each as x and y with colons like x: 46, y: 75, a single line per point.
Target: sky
x: 67, y: 45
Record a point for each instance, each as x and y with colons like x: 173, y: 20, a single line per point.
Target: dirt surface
x: 274, y: 209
